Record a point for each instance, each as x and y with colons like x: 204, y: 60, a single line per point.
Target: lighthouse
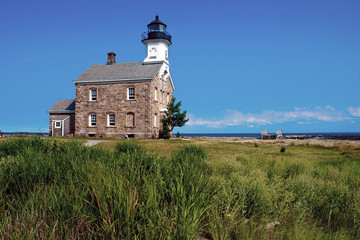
x: 157, y: 41
x: 120, y: 100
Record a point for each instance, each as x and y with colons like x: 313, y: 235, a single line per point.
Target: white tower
x: 157, y: 42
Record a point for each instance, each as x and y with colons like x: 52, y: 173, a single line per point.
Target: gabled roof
x: 63, y: 106
x: 132, y: 71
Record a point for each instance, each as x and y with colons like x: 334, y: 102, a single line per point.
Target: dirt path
x: 90, y: 143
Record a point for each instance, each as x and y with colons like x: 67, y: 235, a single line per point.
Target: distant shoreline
x: 319, y: 136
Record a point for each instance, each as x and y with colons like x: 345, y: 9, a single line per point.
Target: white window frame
x: 55, y: 122
x: 92, y: 119
x: 109, y: 122
x: 92, y: 98
x: 132, y: 96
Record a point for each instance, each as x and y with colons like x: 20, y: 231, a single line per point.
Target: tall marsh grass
x: 65, y: 190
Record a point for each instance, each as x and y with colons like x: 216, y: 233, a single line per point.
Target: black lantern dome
x: 156, y: 30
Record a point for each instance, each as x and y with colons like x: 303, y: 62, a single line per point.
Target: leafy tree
x: 173, y: 118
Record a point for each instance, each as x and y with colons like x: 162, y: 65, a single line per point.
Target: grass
x: 179, y: 189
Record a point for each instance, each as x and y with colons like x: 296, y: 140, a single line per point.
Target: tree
x: 173, y: 118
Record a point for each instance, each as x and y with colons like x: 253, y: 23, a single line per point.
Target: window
x: 92, y: 119
x: 131, y: 93
x: 167, y: 98
x: 155, y: 120
x: 130, y: 119
x: 152, y: 53
x: 111, y: 119
x: 93, y: 94
x: 161, y: 96
x: 130, y: 136
x: 57, y: 124
x: 155, y: 94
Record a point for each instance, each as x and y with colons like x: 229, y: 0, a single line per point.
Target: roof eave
x: 61, y: 111
x: 96, y: 81
x: 172, y: 83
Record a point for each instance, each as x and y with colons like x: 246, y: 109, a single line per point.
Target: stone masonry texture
x: 112, y: 98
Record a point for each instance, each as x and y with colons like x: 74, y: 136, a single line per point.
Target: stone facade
x: 133, y: 117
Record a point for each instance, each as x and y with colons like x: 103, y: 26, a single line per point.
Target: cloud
x: 268, y: 117
x: 354, y: 111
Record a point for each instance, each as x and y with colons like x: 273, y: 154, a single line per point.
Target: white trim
x: 62, y: 126
x: 155, y: 120
x: 90, y: 125
x: 171, y: 82
x: 108, y: 119
x: 57, y: 121
x: 128, y: 93
x: 91, y: 95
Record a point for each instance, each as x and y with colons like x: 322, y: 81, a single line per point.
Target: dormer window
x: 93, y: 94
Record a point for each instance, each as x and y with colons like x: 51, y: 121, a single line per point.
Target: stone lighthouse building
x: 121, y: 100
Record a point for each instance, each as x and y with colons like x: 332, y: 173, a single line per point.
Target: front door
x: 58, y: 128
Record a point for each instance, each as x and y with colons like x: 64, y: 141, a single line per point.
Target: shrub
x: 282, y: 149
x: 165, y: 132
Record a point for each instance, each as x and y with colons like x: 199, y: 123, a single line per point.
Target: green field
x: 179, y: 189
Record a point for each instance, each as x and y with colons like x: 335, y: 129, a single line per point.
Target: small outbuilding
x: 62, y: 118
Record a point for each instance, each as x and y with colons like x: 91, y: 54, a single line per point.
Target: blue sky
x: 238, y: 66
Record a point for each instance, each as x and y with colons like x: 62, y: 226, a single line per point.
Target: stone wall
x: 112, y: 98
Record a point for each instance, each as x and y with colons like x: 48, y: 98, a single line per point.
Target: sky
x: 238, y: 66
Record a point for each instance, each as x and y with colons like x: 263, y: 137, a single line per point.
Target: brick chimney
x: 111, y: 58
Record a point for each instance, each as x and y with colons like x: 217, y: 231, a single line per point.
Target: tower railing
x: 156, y: 35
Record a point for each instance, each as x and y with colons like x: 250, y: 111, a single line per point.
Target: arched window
x: 130, y: 119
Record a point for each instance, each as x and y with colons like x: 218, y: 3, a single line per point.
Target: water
x: 334, y: 135
x: 25, y: 133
